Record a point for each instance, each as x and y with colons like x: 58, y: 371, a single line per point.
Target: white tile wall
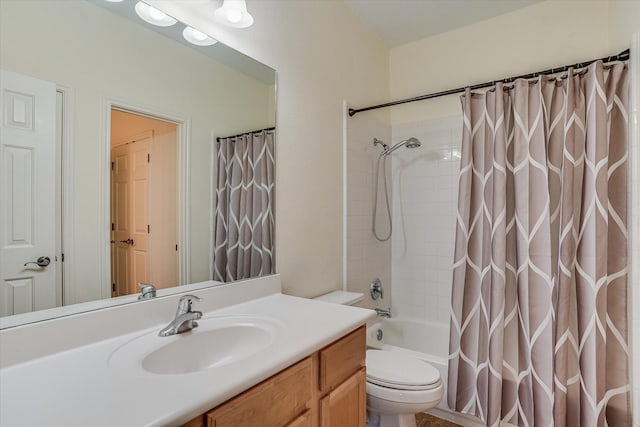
x: 366, y: 258
x: 425, y: 197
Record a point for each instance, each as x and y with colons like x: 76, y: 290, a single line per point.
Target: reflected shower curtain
x: 539, y: 333
x: 243, y: 233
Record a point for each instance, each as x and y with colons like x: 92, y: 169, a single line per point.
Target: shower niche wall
x: 414, y: 265
x: 424, y: 201
x: 365, y: 257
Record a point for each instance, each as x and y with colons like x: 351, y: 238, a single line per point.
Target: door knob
x: 43, y: 261
x: 128, y: 241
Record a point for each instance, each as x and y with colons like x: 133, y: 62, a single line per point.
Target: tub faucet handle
x: 376, y: 289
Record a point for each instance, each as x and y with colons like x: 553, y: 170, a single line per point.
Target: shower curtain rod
x: 244, y: 133
x: 622, y: 56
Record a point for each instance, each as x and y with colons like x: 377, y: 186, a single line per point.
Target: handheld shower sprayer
x: 386, y: 150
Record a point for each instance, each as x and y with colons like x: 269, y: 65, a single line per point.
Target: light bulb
x: 153, y: 16
x: 198, y: 35
x: 198, y: 38
x: 157, y: 14
x: 234, y: 15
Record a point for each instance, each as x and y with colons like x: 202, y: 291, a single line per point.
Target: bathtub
x: 428, y: 341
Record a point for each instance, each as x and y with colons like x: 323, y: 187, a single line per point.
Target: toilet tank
x: 341, y: 297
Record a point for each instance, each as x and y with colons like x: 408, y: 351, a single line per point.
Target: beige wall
x: 121, y: 60
x: 624, y: 21
x: 544, y: 35
x: 323, y: 55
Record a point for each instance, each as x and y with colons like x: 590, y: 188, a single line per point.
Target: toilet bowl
x: 398, y: 387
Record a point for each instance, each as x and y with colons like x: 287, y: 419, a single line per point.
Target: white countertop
x: 78, y: 387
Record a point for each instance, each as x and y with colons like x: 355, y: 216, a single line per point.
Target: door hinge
x: 148, y: 158
x: 113, y: 166
x: 113, y: 287
x: 176, y: 247
x: 148, y: 229
x: 113, y: 227
x: 62, y: 257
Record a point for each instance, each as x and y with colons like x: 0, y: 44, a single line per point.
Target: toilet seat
x: 400, y: 372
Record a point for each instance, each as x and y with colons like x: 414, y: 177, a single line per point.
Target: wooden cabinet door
x: 196, y: 422
x: 346, y: 405
x: 304, y: 420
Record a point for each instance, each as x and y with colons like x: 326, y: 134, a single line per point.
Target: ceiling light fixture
x: 153, y: 16
x: 233, y: 13
x: 198, y: 38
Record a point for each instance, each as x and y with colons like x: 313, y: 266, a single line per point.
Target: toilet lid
x: 397, y: 370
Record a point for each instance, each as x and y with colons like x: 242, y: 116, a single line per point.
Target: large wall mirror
x: 111, y: 136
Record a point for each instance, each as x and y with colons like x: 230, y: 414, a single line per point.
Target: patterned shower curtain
x: 539, y: 333
x: 244, y: 226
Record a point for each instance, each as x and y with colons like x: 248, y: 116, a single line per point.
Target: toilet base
x: 391, y: 420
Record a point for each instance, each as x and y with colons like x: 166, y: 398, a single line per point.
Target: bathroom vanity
x: 258, y: 357
x: 324, y: 389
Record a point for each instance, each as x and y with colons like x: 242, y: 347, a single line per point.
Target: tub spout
x: 383, y: 313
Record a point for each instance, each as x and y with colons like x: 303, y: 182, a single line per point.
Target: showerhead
x: 409, y: 143
x: 413, y: 143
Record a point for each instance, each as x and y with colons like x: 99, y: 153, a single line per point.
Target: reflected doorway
x: 144, y: 202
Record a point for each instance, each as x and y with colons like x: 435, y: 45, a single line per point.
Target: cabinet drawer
x: 274, y: 402
x: 341, y: 359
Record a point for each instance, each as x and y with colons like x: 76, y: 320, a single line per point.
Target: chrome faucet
x: 147, y: 291
x: 185, y: 319
x: 383, y: 313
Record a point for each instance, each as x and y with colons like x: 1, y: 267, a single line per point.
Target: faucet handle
x: 147, y: 291
x: 189, y: 297
x: 184, y: 304
x: 376, y: 289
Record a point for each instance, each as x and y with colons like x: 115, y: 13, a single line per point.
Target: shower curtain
x: 243, y: 233
x: 539, y: 333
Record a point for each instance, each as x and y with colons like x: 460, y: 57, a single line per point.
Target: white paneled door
x: 27, y: 194
x: 130, y: 215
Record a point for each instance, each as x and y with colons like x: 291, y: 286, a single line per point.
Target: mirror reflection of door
x: 29, y: 164
x: 144, y: 228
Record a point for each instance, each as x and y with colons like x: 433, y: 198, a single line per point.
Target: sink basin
x: 216, y: 342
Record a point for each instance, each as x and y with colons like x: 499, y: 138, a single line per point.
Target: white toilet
x: 398, y: 385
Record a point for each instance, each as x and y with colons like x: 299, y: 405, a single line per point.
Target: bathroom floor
x: 426, y: 420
